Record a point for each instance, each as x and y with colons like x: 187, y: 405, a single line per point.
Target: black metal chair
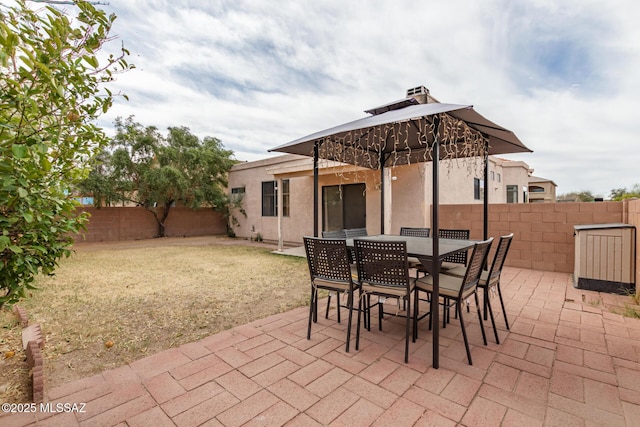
x: 383, y: 271
x: 336, y: 234
x: 459, y: 258
x: 416, y: 232
x: 456, y: 289
x: 329, y: 269
x: 490, y: 280
x: 351, y: 233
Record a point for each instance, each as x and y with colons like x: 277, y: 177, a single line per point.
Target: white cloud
x: 257, y: 74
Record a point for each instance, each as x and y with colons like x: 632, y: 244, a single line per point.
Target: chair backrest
x: 474, y: 269
x: 500, y: 257
x: 415, y: 231
x: 355, y: 232
x: 382, y: 263
x: 458, y: 257
x: 328, y: 259
x: 334, y: 234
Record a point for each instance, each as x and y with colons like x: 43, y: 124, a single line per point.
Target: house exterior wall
x: 512, y: 175
x: 250, y: 176
x: 546, y: 196
x: 408, y: 191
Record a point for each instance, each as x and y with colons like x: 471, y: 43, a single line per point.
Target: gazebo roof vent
x: 418, y: 90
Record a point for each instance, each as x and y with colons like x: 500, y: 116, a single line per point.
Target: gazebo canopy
x: 406, y: 135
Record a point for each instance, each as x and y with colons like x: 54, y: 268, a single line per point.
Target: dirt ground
x: 113, y: 303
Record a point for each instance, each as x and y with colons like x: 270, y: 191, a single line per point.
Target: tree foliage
x: 577, y: 196
x: 156, y: 172
x: 51, y: 92
x: 619, y: 194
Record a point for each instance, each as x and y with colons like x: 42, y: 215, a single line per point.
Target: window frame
x: 478, y: 189
x: 286, y: 197
x: 269, y: 198
x: 512, y: 191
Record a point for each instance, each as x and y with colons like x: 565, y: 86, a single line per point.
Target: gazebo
x: 405, y: 132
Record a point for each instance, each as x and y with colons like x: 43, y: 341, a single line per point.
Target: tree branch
x: 65, y: 2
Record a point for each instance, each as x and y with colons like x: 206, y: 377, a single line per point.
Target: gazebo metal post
x: 382, y: 160
x: 435, y: 266
x: 486, y: 190
x: 315, y: 189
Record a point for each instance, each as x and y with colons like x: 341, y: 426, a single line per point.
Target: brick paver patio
x: 568, y: 360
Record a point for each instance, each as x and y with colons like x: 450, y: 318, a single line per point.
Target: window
x: 512, y: 194
x: 269, y: 199
x: 536, y: 189
x: 285, y: 198
x: 493, y: 175
x: 237, y: 193
x: 478, y: 188
x: 498, y: 177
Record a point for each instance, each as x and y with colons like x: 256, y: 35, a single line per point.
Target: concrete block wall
x: 134, y: 223
x: 543, y: 232
x: 633, y: 218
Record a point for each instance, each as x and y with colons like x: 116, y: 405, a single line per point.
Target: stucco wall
x: 543, y: 237
x: 133, y: 223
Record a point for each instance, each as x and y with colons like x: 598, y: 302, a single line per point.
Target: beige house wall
x: 546, y: 196
x: 512, y: 175
x: 408, y: 192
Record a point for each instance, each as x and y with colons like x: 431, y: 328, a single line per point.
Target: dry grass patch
x: 14, y: 375
x: 153, y: 295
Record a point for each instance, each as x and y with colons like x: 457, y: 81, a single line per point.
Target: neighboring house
x: 277, y: 193
x: 542, y: 190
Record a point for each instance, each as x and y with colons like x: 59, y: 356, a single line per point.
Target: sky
x: 562, y: 75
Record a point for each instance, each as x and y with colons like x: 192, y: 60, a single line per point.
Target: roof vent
x: 418, y: 90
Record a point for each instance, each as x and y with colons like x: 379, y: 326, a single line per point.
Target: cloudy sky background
x: 563, y: 75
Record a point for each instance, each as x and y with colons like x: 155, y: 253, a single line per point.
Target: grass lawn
x: 112, y: 303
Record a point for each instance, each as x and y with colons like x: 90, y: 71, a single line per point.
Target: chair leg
x: 406, y: 335
x: 368, y: 323
x: 464, y: 332
x: 337, y: 304
x: 485, y: 301
x: 493, y: 321
x: 416, y: 312
x: 504, y: 312
x: 312, y: 311
x: 358, y: 322
x: 484, y: 335
x: 326, y: 315
x: 350, y: 306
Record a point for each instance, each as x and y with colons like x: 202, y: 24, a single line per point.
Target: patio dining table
x: 422, y: 248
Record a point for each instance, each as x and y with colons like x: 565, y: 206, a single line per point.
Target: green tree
x: 52, y: 88
x: 577, y: 196
x: 619, y: 194
x: 156, y: 172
